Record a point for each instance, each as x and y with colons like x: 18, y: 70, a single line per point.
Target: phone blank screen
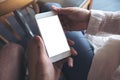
x: 53, y: 35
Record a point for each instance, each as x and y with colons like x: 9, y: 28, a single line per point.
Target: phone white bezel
x: 61, y: 55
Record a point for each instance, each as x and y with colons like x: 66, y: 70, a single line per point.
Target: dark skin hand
x: 39, y: 65
x: 73, y: 18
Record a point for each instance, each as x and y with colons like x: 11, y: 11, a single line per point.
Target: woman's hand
x: 39, y: 65
x: 73, y: 18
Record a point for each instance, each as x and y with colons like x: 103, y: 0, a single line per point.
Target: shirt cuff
x: 96, y: 20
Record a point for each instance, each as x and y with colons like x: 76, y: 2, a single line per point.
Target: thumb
x: 40, y: 47
x: 36, y: 54
x: 36, y: 48
x: 64, y: 11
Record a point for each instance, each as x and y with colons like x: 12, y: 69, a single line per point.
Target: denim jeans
x: 83, y: 60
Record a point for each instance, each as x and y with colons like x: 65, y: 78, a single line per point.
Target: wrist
x: 88, y: 18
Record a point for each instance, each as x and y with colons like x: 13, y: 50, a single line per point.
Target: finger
x: 55, y: 9
x: 73, y: 51
x: 61, y: 10
x: 32, y: 57
x: 70, y: 42
x: 59, y: 64
x: 31, y: 48
x: 70, y: 62
x: 40, y: 46
x: 36, y: 48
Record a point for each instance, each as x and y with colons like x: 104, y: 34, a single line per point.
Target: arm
x: 74, y: 19
x: 104, y: 21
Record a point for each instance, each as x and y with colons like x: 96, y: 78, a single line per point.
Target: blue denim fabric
x: 83, y: 60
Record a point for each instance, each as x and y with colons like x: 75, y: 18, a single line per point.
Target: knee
x: 81, y: 43
x: 12, y: 59
x: 12, y: 50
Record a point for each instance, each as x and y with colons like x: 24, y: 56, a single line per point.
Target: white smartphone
x: 50, y: 29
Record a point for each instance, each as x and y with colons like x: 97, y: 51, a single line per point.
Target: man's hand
x: 73, y: 18
x: 39, y: 65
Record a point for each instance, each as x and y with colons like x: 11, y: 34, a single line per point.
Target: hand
x: 39, y: 65
x: 73, y: 18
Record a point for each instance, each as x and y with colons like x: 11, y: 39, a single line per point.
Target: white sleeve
x: 104, y: 21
